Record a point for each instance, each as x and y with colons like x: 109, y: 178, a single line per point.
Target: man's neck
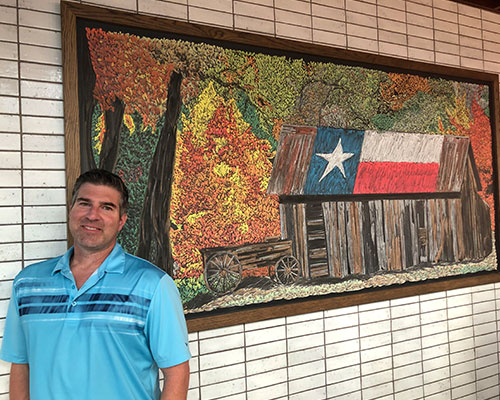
x: 84, y: 263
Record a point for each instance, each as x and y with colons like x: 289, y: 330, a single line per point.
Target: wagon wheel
x: 223, y: 272
x: 287, y: 269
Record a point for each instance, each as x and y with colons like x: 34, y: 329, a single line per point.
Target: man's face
x: 94, y: 218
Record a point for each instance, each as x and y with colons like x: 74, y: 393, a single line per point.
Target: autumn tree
x: 127, y: 79
x: 219, y: 192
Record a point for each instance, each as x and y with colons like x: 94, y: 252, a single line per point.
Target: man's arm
x: 19, y: 382
x: 175, y: 386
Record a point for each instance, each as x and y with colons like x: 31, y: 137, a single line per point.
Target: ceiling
x: 491, y: 5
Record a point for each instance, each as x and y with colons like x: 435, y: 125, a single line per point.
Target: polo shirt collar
x: 114, y: 262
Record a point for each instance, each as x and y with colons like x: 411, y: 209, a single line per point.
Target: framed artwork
x: 271, y: 177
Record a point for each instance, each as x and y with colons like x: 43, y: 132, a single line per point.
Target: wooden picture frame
x: 292, y: 201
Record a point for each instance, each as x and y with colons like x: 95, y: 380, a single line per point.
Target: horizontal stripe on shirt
x: 115, y: 303
x: 24, y: 300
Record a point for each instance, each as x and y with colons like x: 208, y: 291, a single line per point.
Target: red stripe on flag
x: 396, y: 177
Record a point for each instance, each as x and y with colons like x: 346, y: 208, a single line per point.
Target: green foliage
x: 420, y: 113
x: 133, y: 166
x: 484, y: 100
x: 345, y: 96
x: 383, y: 122
x: 251, y: 116
x: 190, y: 287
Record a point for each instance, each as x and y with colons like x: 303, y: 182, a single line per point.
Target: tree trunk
x: 87, y: 103
x: 154, y: 231
x: 111, y: 142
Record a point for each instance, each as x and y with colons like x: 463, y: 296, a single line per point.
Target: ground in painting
x: 257, y: 290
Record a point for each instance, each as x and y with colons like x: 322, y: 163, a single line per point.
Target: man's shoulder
x: 40, y: 269
x: 142, y: 266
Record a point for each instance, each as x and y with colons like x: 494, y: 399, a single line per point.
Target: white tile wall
x: 438, y: 346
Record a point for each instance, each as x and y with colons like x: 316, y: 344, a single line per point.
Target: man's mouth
x: 90, y: 228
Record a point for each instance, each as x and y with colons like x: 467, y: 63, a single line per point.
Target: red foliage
x: 480, y: 137
x: 220, y: 198
x: 125, y: 68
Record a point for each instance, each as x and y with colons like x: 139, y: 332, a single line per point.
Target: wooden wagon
x: 361, y: 202
x: 226, y: 266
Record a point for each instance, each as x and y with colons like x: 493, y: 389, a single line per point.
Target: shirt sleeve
x: 14, y: 342
x: 166, y: 326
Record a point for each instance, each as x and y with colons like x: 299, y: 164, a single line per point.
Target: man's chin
x: 93, y: 246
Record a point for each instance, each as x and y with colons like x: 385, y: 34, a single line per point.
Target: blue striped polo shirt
x: 103, y: 341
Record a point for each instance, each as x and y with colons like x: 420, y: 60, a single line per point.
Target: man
x: 96, y: 322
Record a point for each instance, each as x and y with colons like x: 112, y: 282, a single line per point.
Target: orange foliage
x: 480, y: 137
x: 219, y: 191
x: 402, y: 88
x: 475, y: 124
x: 278, y: 124
x: 126, y: 69
x: 460, y: 118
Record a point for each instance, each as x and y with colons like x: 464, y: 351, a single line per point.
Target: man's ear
x: 123, y: 219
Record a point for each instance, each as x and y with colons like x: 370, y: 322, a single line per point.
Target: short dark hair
x: 102, y: 177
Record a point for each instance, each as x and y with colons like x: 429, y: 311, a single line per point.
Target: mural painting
x: 258, y: 176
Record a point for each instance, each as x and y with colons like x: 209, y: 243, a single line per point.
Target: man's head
x: 104, y: 178
x: 98, y: 211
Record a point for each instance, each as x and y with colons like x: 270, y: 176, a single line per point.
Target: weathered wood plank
x: 453, y: 228
x: 332, y: 245
x: 414, y: 232
x: 342, y: 237
x: 461, y: 233
x: 421, y: 232
x: 406, y: 238
x: 254, y: 255
x: 301, y: 234
x: 316, y: 240
x: 291, y: 163
x: 394, y: 236
x: 452, y: 164
x: 368, y: 220
x: 378, y: 206
x: 354, y: 239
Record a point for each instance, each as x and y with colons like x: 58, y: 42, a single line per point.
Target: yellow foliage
x: 129, y: 123
x: 459, y: 116
x: 222, y: 169
x: 100, y: 135
x: 241, y: 124
x: 220, y: 143
x: 243, y: 228
x: 191, y: 219
x: 202, y: 113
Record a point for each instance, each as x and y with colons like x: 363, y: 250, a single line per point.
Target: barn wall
x: 341, y: 238
x: 437, y: 346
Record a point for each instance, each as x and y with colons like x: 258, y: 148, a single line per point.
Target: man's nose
x: 93, y: 213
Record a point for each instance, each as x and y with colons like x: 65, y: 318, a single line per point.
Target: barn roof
x: 331, y: 161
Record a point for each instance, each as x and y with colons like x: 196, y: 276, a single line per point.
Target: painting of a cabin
x: 360, y: 202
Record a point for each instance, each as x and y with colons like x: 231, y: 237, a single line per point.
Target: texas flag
x: 368, y: 162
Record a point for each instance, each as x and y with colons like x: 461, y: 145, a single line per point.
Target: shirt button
x: 73, y: 304
x: 72, y: 286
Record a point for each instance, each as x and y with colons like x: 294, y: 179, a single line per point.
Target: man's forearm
x: 176, y: 382
x: 19, y: 382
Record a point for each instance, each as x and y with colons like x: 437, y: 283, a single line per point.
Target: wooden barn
x: 360, y: 202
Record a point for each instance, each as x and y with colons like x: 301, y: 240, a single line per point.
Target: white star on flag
x: 335, y: 160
